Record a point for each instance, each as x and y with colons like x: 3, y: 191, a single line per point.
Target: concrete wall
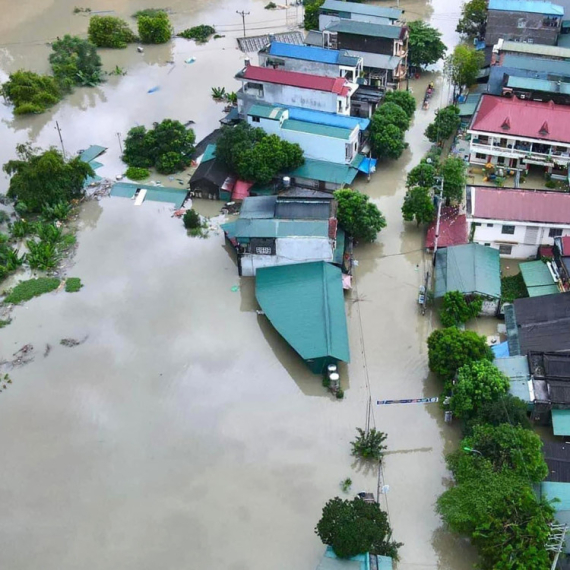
x: 519, y: 26
x: 524, y: 241
x: 365, y: 43
x: 316, y: 184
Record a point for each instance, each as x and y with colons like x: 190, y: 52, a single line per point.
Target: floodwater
x: 183, y: 432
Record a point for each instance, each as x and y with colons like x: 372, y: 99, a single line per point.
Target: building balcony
x: 522, y: 151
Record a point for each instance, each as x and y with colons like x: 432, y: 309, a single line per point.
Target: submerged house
x: 368, y: 561
x: 212, y: 179
x: 305, y: 304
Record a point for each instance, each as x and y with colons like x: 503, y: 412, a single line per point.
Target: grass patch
x: 136, y: 173
x: 32, y: 288
x: 4, y: 323
x: 513, y: 287
x: 152, y: 12
x: 73, y: 284
x: 200, y: 34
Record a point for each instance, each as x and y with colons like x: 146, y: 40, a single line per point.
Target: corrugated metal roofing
x: 364, y: 9
x: 92, y: 152
x: 302, y: 209
x: 523, y: 118
x: 467, y: 109
x: 258, y: 207
x: 314, y: 38
x: 336, y: 85
x: 331, y: 119
x: 452, y: 228
x: 273, y: 228
x: 325, y: 172
x: 377, y: 60
x: 385, y: 563
x: 305, y: 303
x: 175, y: 196
x: 529, y: 6
x: 557, y: 457
x: 367, y: 29
x: 316, y: 129
x: 516, y: 369
x: 312, y: 53
x: 534, y: 84
x: 338, y: 255
x: 561, y: 422
x: 561, y: 491
x: 266, y: 112
x: 535, y: 49
x: 538, y: 279
x: 209, y: 153
x: 538, y: 64
x: 469, y: 268
x: 521, y: 205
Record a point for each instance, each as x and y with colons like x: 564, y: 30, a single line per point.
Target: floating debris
x: 47, y: 350
x: 71, y: 342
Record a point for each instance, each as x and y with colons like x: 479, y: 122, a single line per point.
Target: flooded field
x: 184, y: 433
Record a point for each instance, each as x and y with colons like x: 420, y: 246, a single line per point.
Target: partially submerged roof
x: 452, y: 228
x: 312, y: 53
x: 363, y: 9
x: 538, y: 279
x: 469, y: 269
x: 529, y: 6
x: 368, y: 29
x: 92, y: 152
x: 377, y: 60
x: 337, y: 85
x: 517, y: 117
x: 214, y: 171
x: 251, y: 228
x: 176, y: 196
x: 325, y: 172
x: 305, y: 303
x: 534, y: 49
x: 520, y: 205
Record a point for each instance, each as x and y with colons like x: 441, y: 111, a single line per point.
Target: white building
x: 333, y: 11
x: 517, y: 222
x: 290, y: 88
x: 318, y: 141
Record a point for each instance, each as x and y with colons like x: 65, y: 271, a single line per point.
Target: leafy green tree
x: 453, y: 172
x: 369, y: 445
x: 110, y: 32
x: 75, y: 61
x: 513, y: 287
x: 456, y: 309
x: 464, y: 64
x: 30, y: 92
x: 424, y: 45
x: 403, y: 99
x: 507, y: 409
x: 444, y: 125
x: 311, y: 20
x: 355, y: 527
x: 235, y: 141
x: 191, y: 219
x: 40, y: 179
x: 473, y: 19
x: 450, y: 349
x: 136, y: 173
x: 359, y: 217
x: 387, y: 140
x: 422, y: 175
x: 477, y: 382
x: 393, y: 114
x: 154, y: 28
x: 138, y: 152
x: 418, y: 205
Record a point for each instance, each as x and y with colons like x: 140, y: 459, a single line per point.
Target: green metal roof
x: 209, y: 153
x: 305, y: 303
x: 265, y: 228
x: 317, y: 129
x: 325, y: 171
x: 92, y: 152
x: 534, y: 84
x: 338, y: 255
x: 154, y: 193
x: 469, y: 268
x: 561, y: 422
x: 516, y: 369
x: 537, y: 279
x: 266, y: 112
x: 467, y: 109
x: 366, y: 29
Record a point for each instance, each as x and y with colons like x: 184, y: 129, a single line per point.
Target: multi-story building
x: 332, y: 11
x: 502, y: 48
x: 531, y: 21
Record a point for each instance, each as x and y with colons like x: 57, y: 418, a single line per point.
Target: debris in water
x: 22, y: 356
x: 190, y: 60
x: 140, y: 49
x: 154, y: 89
x: 235, y: 288
x: 71, y: 342
x: 47, y: 350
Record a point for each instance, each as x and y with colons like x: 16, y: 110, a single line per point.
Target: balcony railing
x: 520, y: 151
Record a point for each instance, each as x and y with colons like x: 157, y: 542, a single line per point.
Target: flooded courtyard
x: 184, y: 432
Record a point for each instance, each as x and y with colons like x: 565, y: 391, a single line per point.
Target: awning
x: 241, y: 190
x: 561, y: 422
x: 501, y: 350
x: 368, y: 165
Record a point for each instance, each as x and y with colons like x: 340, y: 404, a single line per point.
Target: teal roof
x: 305, y: 303
x: 267, y: 228
x: 538, y: 279
x: 551, y: 490
x: 516, y: 369
x: 317, y: 129
x: 561, y: 422
x: 338, y: 255
x: 385, y: 563
x: 209, y: 153
x: 534, y: 84
x: 92, y: 152
x: 467, y: 109
x: 529, y: 6
x: 154, y: 193
x: 325, y: 171
x: 266, y: 112
x: 470, y: 269
x: 358, y: 8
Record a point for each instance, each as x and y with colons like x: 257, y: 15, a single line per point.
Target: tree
x: 506, y: 409
x: 110, y: 32
x: 234, y: 141
x: 191, y: 219
x: 424, y: 45
x: 393, y: 114
x: 369, y: 445
x: 477, y: 382
x: 154, y: 28
x: 168, y: 146
x: 422, y: 175
x: 403, y: 99
x: 75, y: 61
x: 449, y: 349
x: 355, y: 527
x: 418, y: 205
x: 453, y: 172
x: 456, y: 309
x: 40, y: 179
x: 473, y: 19
x: 387, y: 140
x: 464, y: 64
x: 311, y: 20
x: 444, y: 125
x: 30, y: 92
x: 359, y: 217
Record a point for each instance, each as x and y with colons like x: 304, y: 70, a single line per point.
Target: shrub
x: 22, y: 228
x: 154, y: 29
x: 75, y: 61
x: 191, y: 220
x: 151, y: 12
x: 137, y: 173
x: 200, y: 34
x: 369, y: 445
x: 32, y: 288
x: 358, y: 217
x: 4, y: 217
x: 456, y: 309
x: 42, y: 255
x: 30, y: 92
x: 513, y: 287
x: 110, y: 32
x: 73, y: 284
x: 59, y: 211
x: 271, y: 6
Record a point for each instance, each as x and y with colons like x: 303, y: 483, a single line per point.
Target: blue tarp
x: 501, y: 350
x: 368, y: 165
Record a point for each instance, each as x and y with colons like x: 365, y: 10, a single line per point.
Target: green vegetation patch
x: 4, y: 323
x: 151, y: 12
x: 110, y: 32
x: 30, y: 93
x: 32, y: 288
x: 136, y: 173
x: 155, y: 29
x: 73, y: 284
x: 200, y: 34
x: 513, y: 287
x: 75, y: 61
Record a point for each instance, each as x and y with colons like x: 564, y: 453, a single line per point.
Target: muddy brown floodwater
x: 184, y: 433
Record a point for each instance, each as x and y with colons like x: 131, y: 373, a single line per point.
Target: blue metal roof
x: 329, y: 119
x: 530, y: 6
x: 311, y: 53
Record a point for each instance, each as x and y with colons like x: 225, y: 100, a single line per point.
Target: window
x: 501, y: 160
x: 480, y: 156
x: 510, y: 230
x: 555, y: 232
x: 255, y: 119
x: 505, y: 249
x: 487, y: 244
x: 476, y: 223
x: 489, y: 225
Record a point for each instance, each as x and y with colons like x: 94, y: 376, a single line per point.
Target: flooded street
x: 184, y: 432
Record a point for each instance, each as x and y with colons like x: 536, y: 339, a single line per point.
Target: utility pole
x: 60, y: 138
x: 243, y: 14
x: 439, y: 203
x: 120, y: 144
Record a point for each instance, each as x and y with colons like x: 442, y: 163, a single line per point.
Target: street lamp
x: 471, y: 450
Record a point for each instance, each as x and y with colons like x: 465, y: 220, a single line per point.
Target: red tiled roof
x: 303, y: 80
x: 530, y: 119
x: 452, y: 229
x: 521, y: 205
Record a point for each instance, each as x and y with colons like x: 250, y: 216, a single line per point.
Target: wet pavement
x: 184, y: 433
